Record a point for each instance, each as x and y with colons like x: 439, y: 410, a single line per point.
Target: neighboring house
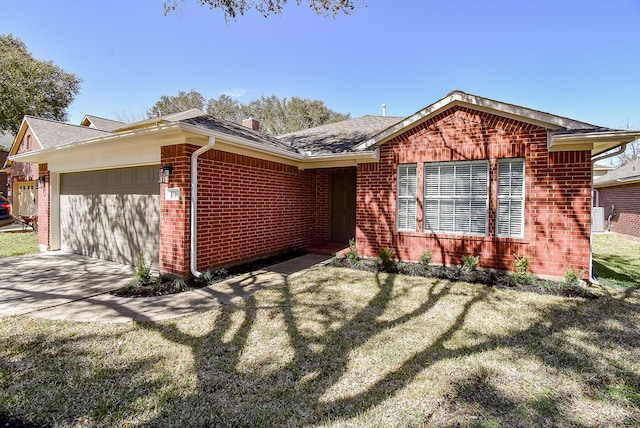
x: 619, y: 195
x: 465, y: 175
x: 601, y: 169
x: 6, y: 139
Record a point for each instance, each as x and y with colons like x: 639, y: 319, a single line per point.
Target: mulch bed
x: 164, y: 286
x: 458, y: 273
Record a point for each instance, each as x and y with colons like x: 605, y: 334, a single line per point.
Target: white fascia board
x: 597, y: 142
x: 339, y: 159
x: 95, y: 153
x: 458, y: 98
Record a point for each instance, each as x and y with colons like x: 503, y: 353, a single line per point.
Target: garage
x: 111, y: 214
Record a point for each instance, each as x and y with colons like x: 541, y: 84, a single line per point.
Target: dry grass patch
x: 338, y: 347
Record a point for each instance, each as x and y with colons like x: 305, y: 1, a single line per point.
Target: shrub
x: 143, y: 270
x: 521, y: 269
x: 470, y: 263
x: 352, y: 254
x: 386, y: 259
x: 425, y: 259
x: 211, y: 275
x: 572, y: 277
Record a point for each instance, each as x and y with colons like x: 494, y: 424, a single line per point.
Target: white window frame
x: 513, y: 193
x: 436, y: 193
x: 406, y: 196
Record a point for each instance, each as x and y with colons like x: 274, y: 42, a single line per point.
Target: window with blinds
x: 406, y: 201
x: 510, y: 215
x: 456, y: 197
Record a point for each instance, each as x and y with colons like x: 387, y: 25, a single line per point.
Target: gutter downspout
x: 620, y: 149
x: 194, y: 206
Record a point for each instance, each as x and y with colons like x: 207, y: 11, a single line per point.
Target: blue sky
x: 579, y: 59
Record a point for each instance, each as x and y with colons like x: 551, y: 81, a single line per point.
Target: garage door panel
x: 111, y: 214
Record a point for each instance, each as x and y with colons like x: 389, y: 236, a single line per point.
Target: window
x: 510, y: 216
x: 456, y: 197
x: 406, y: 205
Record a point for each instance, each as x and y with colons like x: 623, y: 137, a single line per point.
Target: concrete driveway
x: 63, y: 286
x: 35, y: 282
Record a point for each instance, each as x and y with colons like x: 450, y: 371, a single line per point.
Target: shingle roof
x: 338, y: 137
x: 173, y: 117
x: 236, y: 130
x: 626, y: 173
x: 103, y: 124
x: 51, y: 133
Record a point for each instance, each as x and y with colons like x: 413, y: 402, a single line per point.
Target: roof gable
x: 101, y: 123
x: 499, y: 108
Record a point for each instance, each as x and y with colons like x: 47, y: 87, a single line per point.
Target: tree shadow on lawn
x: 300, y: 380
x: 230, y: 396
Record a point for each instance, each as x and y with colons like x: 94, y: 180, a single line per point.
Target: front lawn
x: 338, y: 347
x: 15, y: 244
x: 616, y: 260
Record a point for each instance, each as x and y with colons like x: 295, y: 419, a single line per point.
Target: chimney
x: 251, y: 123
x: 384, y: 109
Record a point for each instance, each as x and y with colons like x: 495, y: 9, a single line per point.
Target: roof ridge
x: 57, y: 122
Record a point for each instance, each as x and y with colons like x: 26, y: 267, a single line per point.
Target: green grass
x: 616, y: 260
x: 15, y: 244
x: 335, y: 348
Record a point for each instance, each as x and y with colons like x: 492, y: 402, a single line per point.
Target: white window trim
x: 440, y: 198
x: 398, y: 198
x: 512, y: 198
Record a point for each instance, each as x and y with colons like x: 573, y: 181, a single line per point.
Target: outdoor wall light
x: 163, y: 174
x: 41, y: 180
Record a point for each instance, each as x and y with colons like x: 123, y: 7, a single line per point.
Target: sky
x: 579, y: 59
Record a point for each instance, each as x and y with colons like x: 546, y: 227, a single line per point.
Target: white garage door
x: 112, y: 214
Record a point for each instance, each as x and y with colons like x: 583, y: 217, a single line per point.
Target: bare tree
x: 233, y: 8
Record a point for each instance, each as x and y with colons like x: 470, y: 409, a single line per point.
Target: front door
x: 343, y: 206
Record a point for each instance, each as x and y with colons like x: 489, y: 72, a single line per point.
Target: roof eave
x: 597, y: 142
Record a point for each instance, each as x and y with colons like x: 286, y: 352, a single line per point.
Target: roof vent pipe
x: 194, y: 206
x: 384, y: 109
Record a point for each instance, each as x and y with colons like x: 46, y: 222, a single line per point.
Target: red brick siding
x: 44, y: 208
x: 25, y: 171
x: 248, y: 208
x: 175, y: 215
x: 557, y: 194
x: 626, y: 199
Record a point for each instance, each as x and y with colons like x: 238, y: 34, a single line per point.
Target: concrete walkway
x: 62, y: 286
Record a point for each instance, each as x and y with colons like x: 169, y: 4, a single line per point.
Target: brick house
x: 5, y: 143
x: 465, y: 175
x: 619, y: 194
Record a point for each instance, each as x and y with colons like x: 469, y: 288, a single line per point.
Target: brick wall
x: 175, y: 215
x: 247, y: 208
x: 557, y: 194
x: 626, y: 199
x: 44, y: 209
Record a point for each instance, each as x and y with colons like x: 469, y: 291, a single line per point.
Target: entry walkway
x: 63, y: 286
